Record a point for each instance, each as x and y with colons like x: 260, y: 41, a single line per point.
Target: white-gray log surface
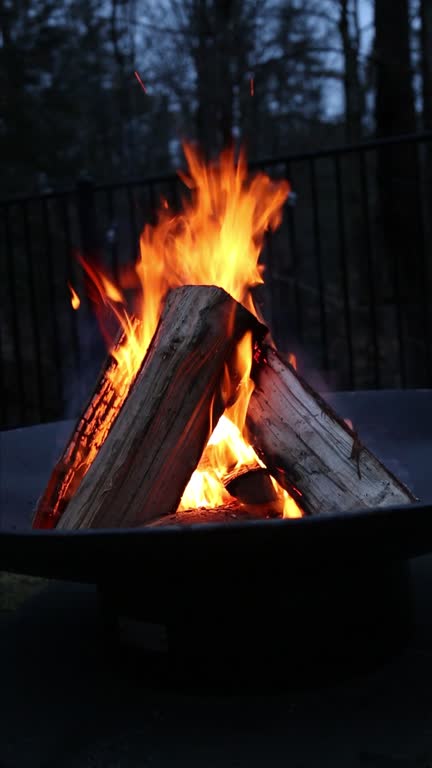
x: 310, y: 450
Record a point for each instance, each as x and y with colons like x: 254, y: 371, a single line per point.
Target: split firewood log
x: 309, y: 449
x: 85, y: 441
x: 156, y: 441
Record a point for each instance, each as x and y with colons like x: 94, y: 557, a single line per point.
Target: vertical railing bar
x: 343, y: 267
x: 318, y: 263
x: 113, y: 246
x: 270, y: 283
x: 33, y: 310
x: 425, y: 270
x: 176, y: 193
x: 11, y: 274
x: 3, y: 416
x: 69, y: 269
x: 370, y: 268
x: 399, y: 324
x: 295, y: 270
x: 133, y: 221
x: 398, y: 315
x: 153, y: 204
x: 57, y: 357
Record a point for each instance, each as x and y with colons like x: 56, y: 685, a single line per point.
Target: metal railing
x: 334, y: 294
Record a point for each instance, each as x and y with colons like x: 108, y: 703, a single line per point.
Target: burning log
x: 143, y: 433
x: 154, y: 445
x: 251, y: 485
x: 228, y: 513
x: 90, y: 432
x: 309, y: 449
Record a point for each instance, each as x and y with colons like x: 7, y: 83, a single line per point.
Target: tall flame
x: 215, y: 240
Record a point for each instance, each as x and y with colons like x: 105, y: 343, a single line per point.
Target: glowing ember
x: 292, y: 359
x: 215, y: 240
x: 137, y: 75
x: 252, y: 86
x: 75, y: 299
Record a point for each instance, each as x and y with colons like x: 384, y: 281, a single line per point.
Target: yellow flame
x: 227, y: 449
x: 75, y: 299
x: 215, y: 240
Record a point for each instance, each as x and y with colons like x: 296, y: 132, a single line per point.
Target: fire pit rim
x: 332, y: 540
x: 307, y: 520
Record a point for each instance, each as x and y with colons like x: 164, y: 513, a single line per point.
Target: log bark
x: 143, y: 467
x: 85, y: 441
x: 309, y: 449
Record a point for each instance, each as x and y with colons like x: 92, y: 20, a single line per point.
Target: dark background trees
x: 109, y: 89
x: 319, y: 70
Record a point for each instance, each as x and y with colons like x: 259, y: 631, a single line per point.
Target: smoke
x: 82, y: 375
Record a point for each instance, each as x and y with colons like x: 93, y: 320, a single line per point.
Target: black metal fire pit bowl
x: 295, y: 593
x: 285, y: 596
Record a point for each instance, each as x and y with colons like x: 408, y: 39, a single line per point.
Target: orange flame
x: 75, y: 299
x: 292, y: 359
x: 215, y: 240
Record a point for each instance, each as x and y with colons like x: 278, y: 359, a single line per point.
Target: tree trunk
x: 426, y: 70
x: 310, y: 450
x: 213, y: 55
x: 400, y: 260
x: 426, y: 61
x: 353, y: 91
x: 155, y: 444
x: 394, y: 107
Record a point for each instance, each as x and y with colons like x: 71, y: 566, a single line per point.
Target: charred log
x: 87, y: 437
x: 251, y: 485
x: 229, y: 513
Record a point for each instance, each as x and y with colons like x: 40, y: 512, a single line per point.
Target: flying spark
x: 137, y: 75
x: 252, y: 86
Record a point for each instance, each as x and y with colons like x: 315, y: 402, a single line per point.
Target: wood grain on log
x: 309, y: 449
x: 84, y: 443
x: 158, y: 437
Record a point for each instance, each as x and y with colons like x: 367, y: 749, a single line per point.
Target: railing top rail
x: 37, y: 197
x: 169, y: 178
x: 362, y: 146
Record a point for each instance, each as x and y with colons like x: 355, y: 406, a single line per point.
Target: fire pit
x: 292, y: 593
x: 196, y: 415
x: 206, y: 486
x: 303, y: 592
